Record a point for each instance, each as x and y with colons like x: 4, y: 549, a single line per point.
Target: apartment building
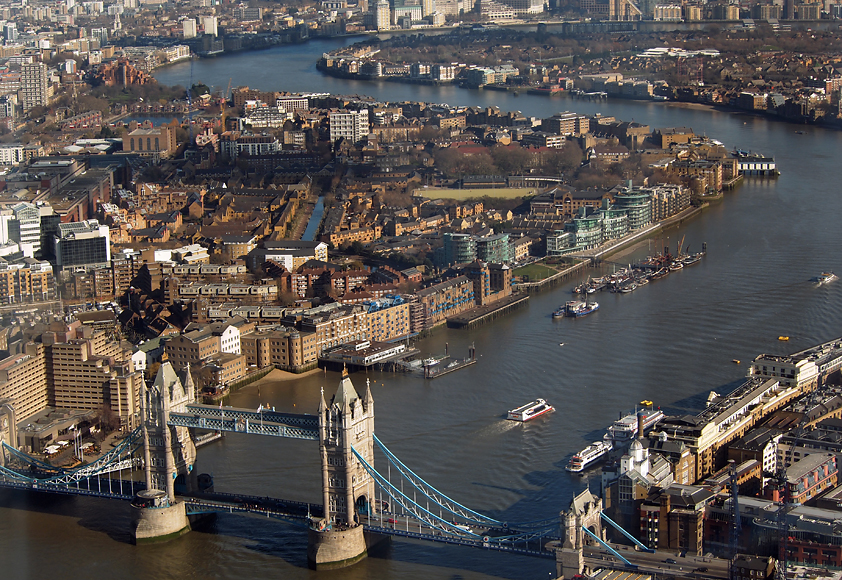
x: 88, y: 370
x: 363, y: 235
x: 28, y: 281
x: 23, y: 380
x: 291, y: 254
x: 34, y: 85
x: 333, y: 324
x: 219, y: 293
x: 445, y: 299
x: 809, y: 477
x: 195, y: 347
x: 287, y: 349
x: 388, y: 319
x: 567, y: 123
x: 349, y: 125
x: 226, y: 368
x: 804, y: 369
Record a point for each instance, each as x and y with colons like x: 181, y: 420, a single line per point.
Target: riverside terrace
x: 727, y: 419
x: 805, y: 368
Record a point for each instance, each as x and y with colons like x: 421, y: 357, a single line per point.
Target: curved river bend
x: 671, y: 342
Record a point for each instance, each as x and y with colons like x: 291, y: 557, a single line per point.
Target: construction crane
x: 223, y: 102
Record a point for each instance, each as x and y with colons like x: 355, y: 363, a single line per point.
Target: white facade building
x: 350, y: 125
x: 526, y: 6
x: 210, y: 24
x: 382, y: 15
x: 11, y: 154
x: 189, y: 27
x: 229, y: 340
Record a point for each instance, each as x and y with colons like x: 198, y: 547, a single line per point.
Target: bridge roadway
x: 689, y: 566
x: 387, y: 523
x: 215, y: 502
x: 257, y: 422
x: 101, y: 487
x: 473, y: 536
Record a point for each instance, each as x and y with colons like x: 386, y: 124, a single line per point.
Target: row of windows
x: 148, y: 144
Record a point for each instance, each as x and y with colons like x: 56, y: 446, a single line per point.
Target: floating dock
x: 434, y: 373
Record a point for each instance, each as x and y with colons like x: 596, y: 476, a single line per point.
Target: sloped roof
x: 346, y: 392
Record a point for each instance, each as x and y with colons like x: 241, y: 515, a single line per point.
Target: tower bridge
x: 360, y: 505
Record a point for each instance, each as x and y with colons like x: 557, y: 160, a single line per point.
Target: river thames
x: 671, y: 342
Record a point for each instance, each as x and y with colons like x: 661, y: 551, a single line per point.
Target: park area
x: 537, y: 271
x: 534, y: 272
x: 463, y: 194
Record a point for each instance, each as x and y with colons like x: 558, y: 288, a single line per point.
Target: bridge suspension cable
x: 411, y: 505
x: 112, y: 461
x: 432, y: 493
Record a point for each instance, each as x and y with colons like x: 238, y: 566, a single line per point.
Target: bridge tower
x: 584, y: 512
x: 169, y: 453
x: 345, y: 425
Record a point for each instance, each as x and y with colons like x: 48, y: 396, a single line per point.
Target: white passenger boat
x: 590, y: 454
x: 530, y: 411
x: 625, y: 429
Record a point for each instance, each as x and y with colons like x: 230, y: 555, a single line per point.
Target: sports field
x: 460, y: 194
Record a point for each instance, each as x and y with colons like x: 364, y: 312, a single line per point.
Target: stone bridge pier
x: 346, y: 424
x: 168, y: 453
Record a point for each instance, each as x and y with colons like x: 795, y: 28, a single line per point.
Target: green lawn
x: 460, y: 194
x: 536, y: 271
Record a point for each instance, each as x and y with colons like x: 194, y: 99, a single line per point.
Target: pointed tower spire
x: 367, y: 398
x: 322, y: 403
x: 345, y: 394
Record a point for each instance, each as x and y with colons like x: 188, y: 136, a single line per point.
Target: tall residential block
x: 33, y: 85
x: 382, y: 15
x: 210, y: 25
x: 350, y: 125
x: 189, y: 27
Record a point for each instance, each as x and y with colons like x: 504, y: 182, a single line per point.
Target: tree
x: 357, y: 248
x: 511, y: 160
x: 109, y: 421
